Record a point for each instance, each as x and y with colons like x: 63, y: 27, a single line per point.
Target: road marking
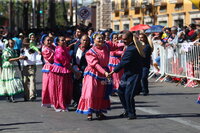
x: 155, y: 112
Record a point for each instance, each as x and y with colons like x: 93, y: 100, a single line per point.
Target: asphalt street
x: 168, y: 109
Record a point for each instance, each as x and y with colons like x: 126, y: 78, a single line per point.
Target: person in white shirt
x: 2, y: 46
x: 29, y: 71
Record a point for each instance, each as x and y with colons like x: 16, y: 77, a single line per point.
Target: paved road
x: 168, y: 109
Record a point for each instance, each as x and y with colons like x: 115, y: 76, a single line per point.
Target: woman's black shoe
x: 89, y: 117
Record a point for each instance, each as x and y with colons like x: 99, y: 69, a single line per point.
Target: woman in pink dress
x: 198, y: 100
x: 48, y: 51
x: 115, y: 57
x: 61, y: 77
x: 95, y: 89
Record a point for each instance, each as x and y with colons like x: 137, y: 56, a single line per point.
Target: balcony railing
x: 175, y: 1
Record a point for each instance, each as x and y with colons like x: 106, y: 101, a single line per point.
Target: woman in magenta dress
x: 48, y: 55
x: 115, y: 57
x: 61, y: 77
x: 95, y: 95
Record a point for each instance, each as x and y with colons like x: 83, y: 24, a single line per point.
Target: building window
x: 116, y: 27
x: 137, y: 10
x: 163, y: 23
x: 126, y: 26
x: 135, y: 24
x: 132, y: 3
x: 122, y: 4
x: 163, y: 8
x: 194, y: 7
x: 178, y: 23
x: 179, y: 6
x: 113, y: 5
x: 116, y: 13
x: 126, y: 4
x: 126, y: 12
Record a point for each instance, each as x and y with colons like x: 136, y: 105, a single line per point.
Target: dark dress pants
x: 129, y: 87
x: 77, y: 90
x: 144, y: 80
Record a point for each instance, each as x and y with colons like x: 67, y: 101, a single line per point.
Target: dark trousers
x: 129, y: 87
x: 77, y: 90
x: 144, y: 80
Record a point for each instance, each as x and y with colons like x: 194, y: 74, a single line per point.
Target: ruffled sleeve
x: 114, y: 46
x: 48, y: 55
x: 93, y: 61
x: 6, y: 55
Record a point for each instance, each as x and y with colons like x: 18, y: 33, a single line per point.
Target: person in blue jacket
x: 132, y: 63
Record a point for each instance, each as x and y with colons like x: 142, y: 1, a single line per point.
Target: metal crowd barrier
x: 181, y: 60
x: 158, y: 51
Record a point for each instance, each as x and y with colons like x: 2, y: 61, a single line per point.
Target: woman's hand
x: 22, y: 57
x: 106, y: 74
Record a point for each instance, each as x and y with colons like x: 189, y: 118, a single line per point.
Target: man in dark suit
x: 79, y: 63
x: 131, y: 62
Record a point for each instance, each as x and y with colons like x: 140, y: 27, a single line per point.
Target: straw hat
x: 150, y: 43
x: 139, y: 45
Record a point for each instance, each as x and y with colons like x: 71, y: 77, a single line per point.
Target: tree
x: 51, y: 14
x: 64, y: 12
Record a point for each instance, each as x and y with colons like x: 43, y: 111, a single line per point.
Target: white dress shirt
x: 31, y: 58
x: 2, y: 46
x: 78, y: 56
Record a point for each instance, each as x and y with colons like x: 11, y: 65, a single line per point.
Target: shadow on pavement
x: 174, y: 94
x: 3, y: 129
x: 20, y: 123
x: 168, y: 115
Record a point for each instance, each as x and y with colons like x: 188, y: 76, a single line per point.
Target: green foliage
x: 60, y: 14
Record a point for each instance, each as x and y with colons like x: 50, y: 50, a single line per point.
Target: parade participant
x: 96, y: 88
x: 90, y: 31
x: 2, y: 46
x: 18, y: 44
x: 107, y: 35
x: 115, y: 57
x: 29, y: 71
x: 132, y: 63
x: 10, y: 80
x: 79, y: 64
x: 146, y: 63
x: 33, y: 43
x: 93, y: 98
x: 48, y: 55
x: 61, y: 77
x: 198, y: 100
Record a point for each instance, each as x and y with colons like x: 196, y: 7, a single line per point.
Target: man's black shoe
x: 132, y: 117
x: 123, y: 115
x: 145, y: 94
